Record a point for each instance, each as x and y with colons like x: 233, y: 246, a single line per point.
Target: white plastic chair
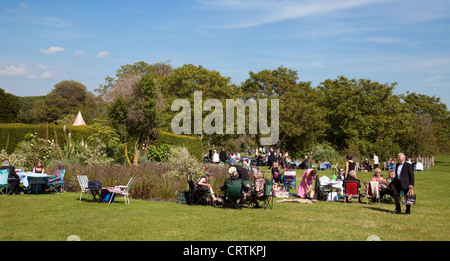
x: 83, y: 180
x: 123, y: 191
x: 419, y: 166
x: 334, y: 167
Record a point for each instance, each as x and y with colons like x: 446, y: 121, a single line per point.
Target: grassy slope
x: 55, y: 217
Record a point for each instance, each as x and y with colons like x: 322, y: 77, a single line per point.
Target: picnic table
x: 328, y: 186
x: 26, y: 177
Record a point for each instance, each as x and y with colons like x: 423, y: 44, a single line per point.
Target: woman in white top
x: 216, y: 157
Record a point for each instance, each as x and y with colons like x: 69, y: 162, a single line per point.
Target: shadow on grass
x: 379, y: 209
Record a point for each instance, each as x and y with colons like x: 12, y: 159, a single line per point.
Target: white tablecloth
x: 25, y: 175
x: 335, y: 184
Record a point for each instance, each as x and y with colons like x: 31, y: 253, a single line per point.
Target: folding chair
x: 351, y: 189
x: 289, y: 179
x: 122, y: 191
x: 233, y: 194
x: 249, y: 184
x: 83, y: 181
x: 322, y: 166
x: 267, y: 198
x: 59, y: 184
x: 334, y: 168
x: 373, y: 191
x: 4, y: 173
x: 196, y: 197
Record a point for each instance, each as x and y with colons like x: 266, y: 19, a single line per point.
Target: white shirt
x: 399, y: 169
x: 375, y: 159
x: 216, y: 157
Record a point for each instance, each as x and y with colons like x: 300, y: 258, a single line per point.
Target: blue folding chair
x: 4, y: 173
x: 59, y: 184
x: 289, y: 180
x: 322, y: 166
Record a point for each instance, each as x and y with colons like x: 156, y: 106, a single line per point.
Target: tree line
x: 359, y: 116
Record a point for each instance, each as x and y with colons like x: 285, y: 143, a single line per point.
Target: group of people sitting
x: 386, y: 185
x: 365, y: 165
x: 236, y: 172
x: 14, y: 179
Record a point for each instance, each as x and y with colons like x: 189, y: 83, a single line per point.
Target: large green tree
x: 360, y: 113
x: 301, y: 116
x: 184, y: 81
x: 128, y: 75
x: 9, y: 107
x: 429, y: 125
x: 66, y: 99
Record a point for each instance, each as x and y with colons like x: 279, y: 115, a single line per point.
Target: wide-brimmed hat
x: 5, y: 163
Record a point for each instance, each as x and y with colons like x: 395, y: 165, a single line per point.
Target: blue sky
x: 408, y: 42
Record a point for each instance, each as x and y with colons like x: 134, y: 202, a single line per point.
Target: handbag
x: 410, y: 198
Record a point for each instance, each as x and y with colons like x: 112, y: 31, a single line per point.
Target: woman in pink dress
x: 307, y: 178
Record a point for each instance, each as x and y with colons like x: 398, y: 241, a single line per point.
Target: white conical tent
x: 79, y: 120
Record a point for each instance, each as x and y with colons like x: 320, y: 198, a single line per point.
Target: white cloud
x: 12, y: 70
x: 22, y: 6
x: 46, y: 75
x: 102, y: 54
x: 79, y: 52
x: 269, y: 11
x: 52, y: 49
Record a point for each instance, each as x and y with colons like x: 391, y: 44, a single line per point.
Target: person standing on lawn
x: 223, y: 155
x: 403, y: 181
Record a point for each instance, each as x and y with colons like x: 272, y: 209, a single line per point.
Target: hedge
x: 194, y: 145
x: 11, y: 134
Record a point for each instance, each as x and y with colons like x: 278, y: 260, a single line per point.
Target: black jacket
x: 406, y: 176
x: 12, y: 172
x: 223, y: 155
x: 243, y: 173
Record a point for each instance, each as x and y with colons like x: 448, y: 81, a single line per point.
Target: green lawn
x: 55, y: 217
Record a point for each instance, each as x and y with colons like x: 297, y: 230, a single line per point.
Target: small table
x: 95, y: 193
x: 26, y: 176
x: 295, y: 164
x: 333, y: 185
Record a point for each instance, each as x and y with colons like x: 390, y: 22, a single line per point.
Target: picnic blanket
x: 298, y: 200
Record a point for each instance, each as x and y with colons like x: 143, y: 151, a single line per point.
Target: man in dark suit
x: 403, y: 181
